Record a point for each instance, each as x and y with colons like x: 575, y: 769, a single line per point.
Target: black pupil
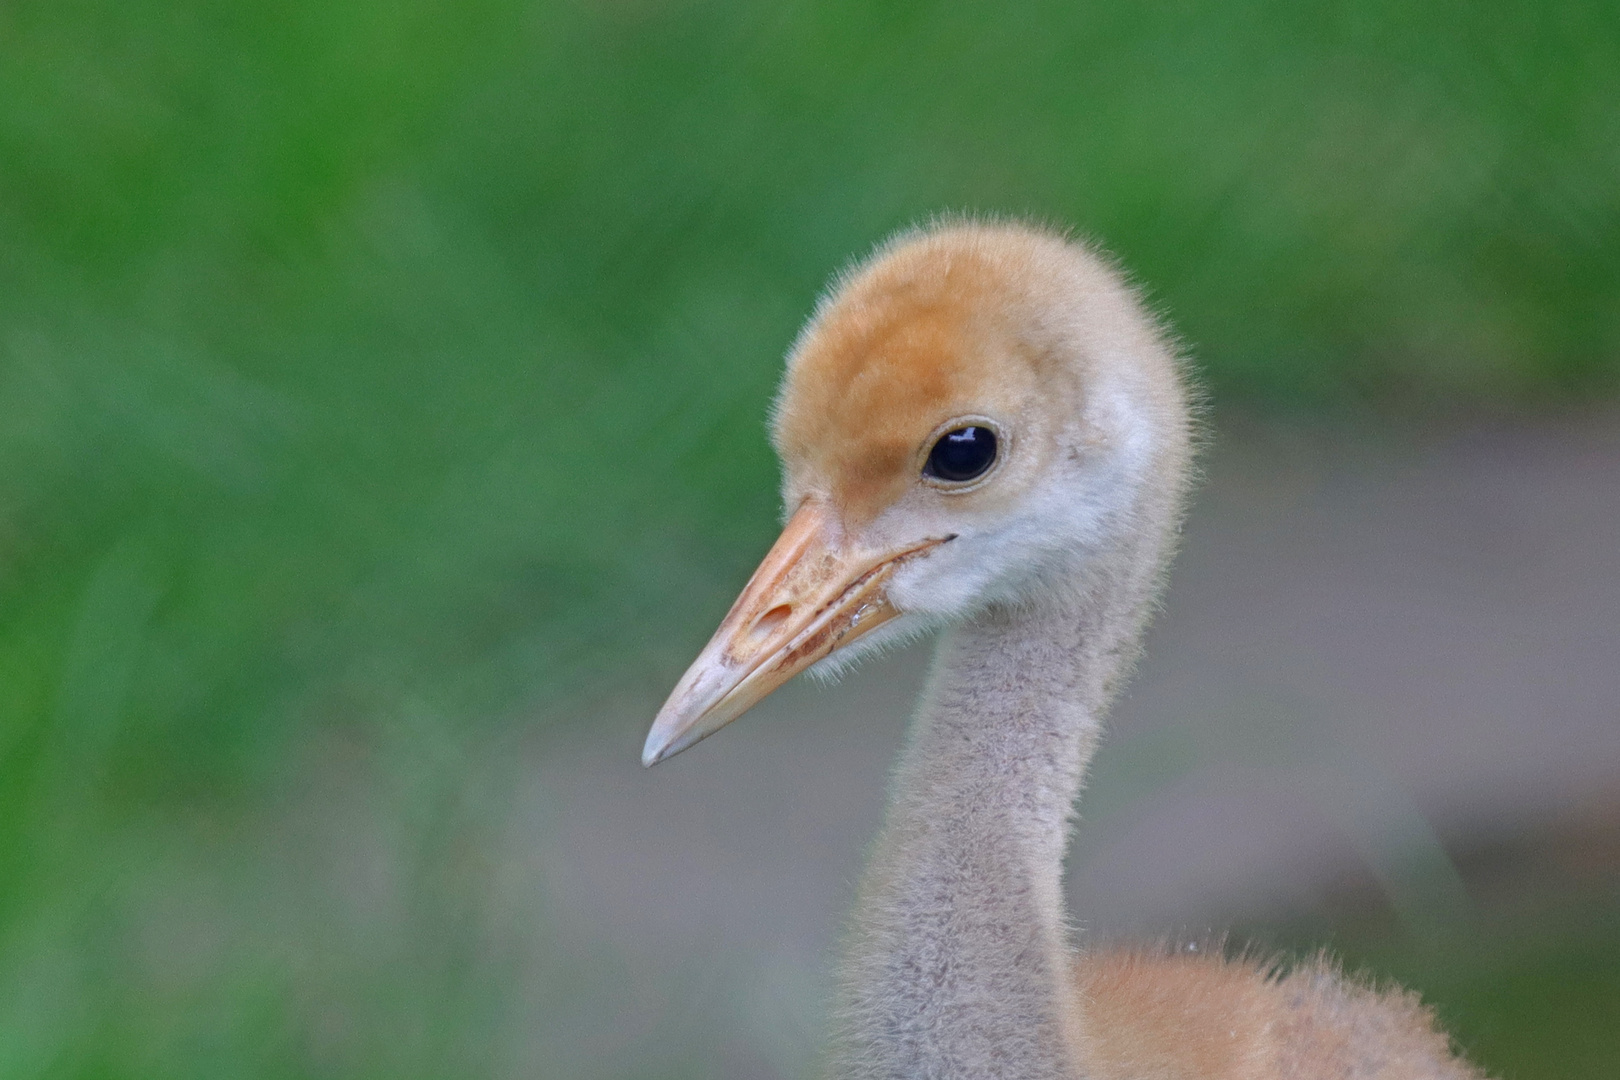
x: 962, y: 454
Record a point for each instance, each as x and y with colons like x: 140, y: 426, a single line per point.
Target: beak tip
x: 664, y: 742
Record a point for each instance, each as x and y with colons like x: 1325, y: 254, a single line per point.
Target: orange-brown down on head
x: 934, y: 327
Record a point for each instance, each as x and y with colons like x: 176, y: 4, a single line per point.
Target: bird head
x: 969, y: 415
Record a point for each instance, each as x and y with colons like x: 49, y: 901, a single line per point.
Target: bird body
x: 984, y: 434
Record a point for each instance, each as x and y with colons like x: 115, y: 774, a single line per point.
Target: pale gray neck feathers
x: 958, y: 962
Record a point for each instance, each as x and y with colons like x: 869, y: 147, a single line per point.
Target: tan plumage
x: 1040, y: 563
x: 1175, y: 1015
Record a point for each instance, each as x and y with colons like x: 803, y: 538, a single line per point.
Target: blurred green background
x: 381, y: 391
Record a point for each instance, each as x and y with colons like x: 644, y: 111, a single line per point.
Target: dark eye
x: 963, y: 454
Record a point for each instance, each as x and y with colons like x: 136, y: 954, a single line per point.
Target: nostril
x: 767, y: 623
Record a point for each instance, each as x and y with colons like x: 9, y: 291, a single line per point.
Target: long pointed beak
x: 814, y: 593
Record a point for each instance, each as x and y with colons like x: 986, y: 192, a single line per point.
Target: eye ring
x: 953, y: 463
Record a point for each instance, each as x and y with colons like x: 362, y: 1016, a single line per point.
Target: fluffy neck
x: 958, y: 962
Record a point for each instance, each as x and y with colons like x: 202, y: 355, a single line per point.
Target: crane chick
x: 983, y: 433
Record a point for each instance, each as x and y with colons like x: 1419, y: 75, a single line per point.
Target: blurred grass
x: 375, y: 377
